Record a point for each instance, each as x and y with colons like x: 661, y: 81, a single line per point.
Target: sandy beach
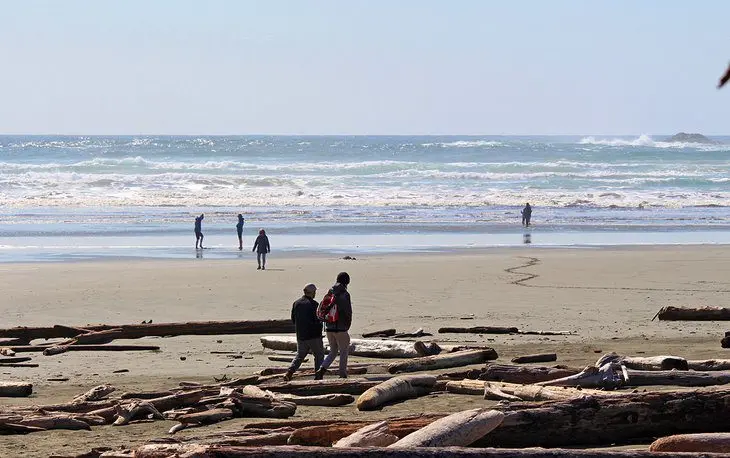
x: 606, y: 296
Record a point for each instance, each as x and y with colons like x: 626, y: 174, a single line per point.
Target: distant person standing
x: 308, y: 329
x: 261, y: 247
x: 526, y: 214
x: 239, y: 229
x: 199, y: 231
x: 338, y: 335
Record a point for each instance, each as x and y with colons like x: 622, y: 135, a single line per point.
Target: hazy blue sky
x: 363, y: 67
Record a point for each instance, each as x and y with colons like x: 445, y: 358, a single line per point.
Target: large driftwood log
x: 709, y: 364
x: 220, y: 451
x: 358, y: 347
x: 352, y: 369
x: 328, y: 400
x: 320, y: 387
x: 541, y: 358
x: 136, y: 331
x: 615, y: 375
x: 646, y: 363
x: 15, y: 389
x: 458, y: 429
x: 164, y: 403
x: 593, y: 420
x: 670, y: 313
x: 442, y: 361
x: 701, y: 442
x: 382, y: 333
x: 480, y: 330
x: 330, y: 431
x: 40, y: 348
x: 525, y: 374
x: 499, y: 391
x: 375, y: 435
x: 397, y: 388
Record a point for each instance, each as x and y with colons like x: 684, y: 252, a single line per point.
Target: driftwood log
x: 525, y: 374
x: 15, y: 389
x: 395, y: 389
x: 670, y: 313
x: 594, y: 420
x: 458, y: 429
x: 358, y: 347
x: 327, y: 432
x: 540, y: 358
x: 198, y: 450
x: 320, y: 387
x: 480, y: 330
x: 701, y: 442
x: 381, y: 333
x: 39, y: 348
x: 136, y: 331
x: 375, y: 435
x: 442, y: 361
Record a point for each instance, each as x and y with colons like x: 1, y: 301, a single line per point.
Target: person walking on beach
x: 308, y: 329
x: 199, y: 231
x: 261, y: 247
x: 526, y: 214
x: 239, y: 229
x: 338, y: 332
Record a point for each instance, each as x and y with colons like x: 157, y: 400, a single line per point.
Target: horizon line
x: 345, y: 135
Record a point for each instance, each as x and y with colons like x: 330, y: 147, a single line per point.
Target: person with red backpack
x: 338, y: 318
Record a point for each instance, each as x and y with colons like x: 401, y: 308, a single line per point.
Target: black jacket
x: 344, y: 310
x: 304, y: 316
x: 261, y: 245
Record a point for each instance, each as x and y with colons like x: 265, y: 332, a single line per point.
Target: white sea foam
x: 647, y: 141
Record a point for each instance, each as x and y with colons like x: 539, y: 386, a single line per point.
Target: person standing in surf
x: 239, y: 229
x: 261, y: 247
x: 199, y: 231
x: 526, y: 214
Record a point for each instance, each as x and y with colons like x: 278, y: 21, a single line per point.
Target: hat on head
x: 310, y: 288
x: 344, y: 278
x: 262, y: 232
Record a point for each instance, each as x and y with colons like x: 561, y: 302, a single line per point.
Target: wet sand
x: 606, y: 296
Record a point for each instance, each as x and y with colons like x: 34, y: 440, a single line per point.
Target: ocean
x: 88, y: 197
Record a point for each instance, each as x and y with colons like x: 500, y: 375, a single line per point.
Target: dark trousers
x: 303, y: 348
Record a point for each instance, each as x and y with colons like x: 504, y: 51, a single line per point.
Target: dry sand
x: 606, y: 296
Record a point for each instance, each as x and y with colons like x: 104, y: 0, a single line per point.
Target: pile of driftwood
x: 514, y: 407
x: 537, y: 407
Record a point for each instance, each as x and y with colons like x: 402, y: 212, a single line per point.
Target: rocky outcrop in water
x: 691, y: 138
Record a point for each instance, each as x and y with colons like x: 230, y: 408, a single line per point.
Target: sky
x: 363, y: 67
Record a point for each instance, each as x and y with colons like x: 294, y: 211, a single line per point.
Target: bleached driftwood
x: 397, y: 388
x: 320, y: 387
x: 358, y: 347
x: 458, y: 429
x: 327, y: 432
x: 328, y: 400
x: 95, y: 394
x: 442, y: 361
x: 375, y: 435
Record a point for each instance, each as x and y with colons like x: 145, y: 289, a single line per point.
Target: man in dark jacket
x: 308, y: 329
x: 338, y: 335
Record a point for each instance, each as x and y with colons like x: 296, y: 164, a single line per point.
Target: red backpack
x: 327, y: 308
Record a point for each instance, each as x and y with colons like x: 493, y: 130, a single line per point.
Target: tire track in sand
x: 527, y: 276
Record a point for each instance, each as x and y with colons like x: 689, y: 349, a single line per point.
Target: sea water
x: 82, y: 197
